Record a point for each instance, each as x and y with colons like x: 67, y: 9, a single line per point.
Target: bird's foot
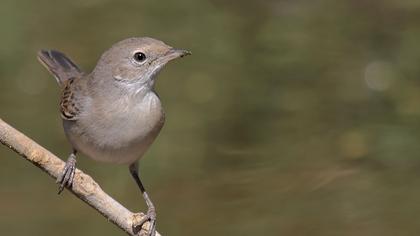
x: 67, y: 175
x: 146, y: 222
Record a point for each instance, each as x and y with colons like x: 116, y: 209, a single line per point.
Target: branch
x: 84, y: 187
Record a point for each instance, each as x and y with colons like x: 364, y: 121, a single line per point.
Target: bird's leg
x: 151, y: 211
x: 66, y: 177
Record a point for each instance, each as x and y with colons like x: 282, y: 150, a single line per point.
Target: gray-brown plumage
x: 112, y: 114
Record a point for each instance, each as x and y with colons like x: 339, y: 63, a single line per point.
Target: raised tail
x: 59, y: 65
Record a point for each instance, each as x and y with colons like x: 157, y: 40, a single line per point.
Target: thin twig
x: 84, y: 187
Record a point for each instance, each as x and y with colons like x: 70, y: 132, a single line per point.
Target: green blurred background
x: 290, y: 118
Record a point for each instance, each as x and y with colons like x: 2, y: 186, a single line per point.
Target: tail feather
x: 59, y: 65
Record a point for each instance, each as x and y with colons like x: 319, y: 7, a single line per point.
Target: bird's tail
x: 59, y: 65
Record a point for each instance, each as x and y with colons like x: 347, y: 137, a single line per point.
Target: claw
x: 149, y: 229
x: 67, y: 175
x: 151, y: 213
x: 152, y: 231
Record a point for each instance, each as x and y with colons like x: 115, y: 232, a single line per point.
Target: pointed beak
x: 174, y: 53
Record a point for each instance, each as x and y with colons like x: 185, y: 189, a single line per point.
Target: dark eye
x: 139, y: 57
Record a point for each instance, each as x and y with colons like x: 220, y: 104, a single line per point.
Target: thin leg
x: 151, y: 211
x: 67, y: 175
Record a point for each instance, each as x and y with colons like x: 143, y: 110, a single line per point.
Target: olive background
x: 290, y: 118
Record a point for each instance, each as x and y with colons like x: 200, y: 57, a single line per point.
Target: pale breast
x: 120, y: 133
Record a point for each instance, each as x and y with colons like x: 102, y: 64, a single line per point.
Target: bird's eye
x: 139, y: 57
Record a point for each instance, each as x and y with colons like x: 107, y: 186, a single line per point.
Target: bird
x: 112, y: 114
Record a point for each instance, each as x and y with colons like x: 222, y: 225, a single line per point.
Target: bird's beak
x: 174, y: 53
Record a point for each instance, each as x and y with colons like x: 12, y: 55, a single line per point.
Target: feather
x: 59, y: 65
x: 70, y: 105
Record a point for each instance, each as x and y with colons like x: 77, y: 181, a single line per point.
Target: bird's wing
x: 59, y: 65
x: 71, y: 98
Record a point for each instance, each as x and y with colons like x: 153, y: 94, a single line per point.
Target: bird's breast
x: 129, y: 121
x: 120, y: 131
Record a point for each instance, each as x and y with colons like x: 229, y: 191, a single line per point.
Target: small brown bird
x: 112, y: 114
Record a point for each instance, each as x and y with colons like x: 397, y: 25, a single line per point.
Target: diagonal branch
x: 84, y: 187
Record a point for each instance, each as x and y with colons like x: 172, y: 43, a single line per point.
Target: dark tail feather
x: 59, y: 65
